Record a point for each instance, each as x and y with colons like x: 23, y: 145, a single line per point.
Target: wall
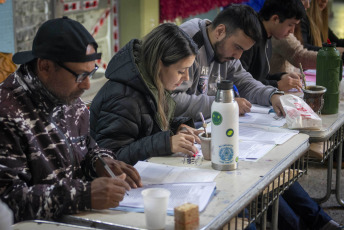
x: 137, y: 18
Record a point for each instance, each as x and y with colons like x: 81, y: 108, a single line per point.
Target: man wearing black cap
x: 49, y: 164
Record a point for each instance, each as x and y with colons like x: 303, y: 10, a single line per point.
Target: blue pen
x: 236, y: 91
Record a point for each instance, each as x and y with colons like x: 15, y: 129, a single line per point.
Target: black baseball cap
x: 60, y: 40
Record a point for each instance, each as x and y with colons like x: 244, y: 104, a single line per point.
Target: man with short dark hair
x: 49, y: 164
x: 221, y: 43
x: 278, y: 19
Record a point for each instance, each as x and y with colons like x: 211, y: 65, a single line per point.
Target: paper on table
x: 253, y: 150
x: 152, y: 173
x: 265, y: 134
x: 314, y: 72
x: 196, y: 193
x: 261, y: 109
x: 262, y: 133
x: 270, y: 119
x: 250, y: 150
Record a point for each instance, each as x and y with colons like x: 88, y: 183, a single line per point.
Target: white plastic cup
x: 155, y: 202
x: 6, y: 217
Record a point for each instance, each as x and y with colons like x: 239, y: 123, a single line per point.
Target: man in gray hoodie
x: 221, y: 44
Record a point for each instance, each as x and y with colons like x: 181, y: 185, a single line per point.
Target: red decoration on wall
x: 171, y: 9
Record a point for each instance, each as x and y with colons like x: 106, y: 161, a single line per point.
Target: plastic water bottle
x: 329, y: 74
x: 224, y: 128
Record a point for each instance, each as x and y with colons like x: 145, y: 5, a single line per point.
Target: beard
x: 217, y: 55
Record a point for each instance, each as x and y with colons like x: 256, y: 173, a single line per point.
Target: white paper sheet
x: 261, y: 133
x: 257, y: 140
x: 185, y: 184
x: 270, y: 119
x: 152, y: 173
x: 181, y: 193
x: 252, y: 150
x: 265, y: 134
x: 261, y: 109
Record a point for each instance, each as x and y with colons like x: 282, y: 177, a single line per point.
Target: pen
x: 303, y: 76
x: 107, y: 168
x: 236, y: 91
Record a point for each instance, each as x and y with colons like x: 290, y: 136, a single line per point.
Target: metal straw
x: 303, y: 76
x: 204, y: 124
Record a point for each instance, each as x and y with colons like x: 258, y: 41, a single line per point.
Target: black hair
x: 284, y: 9
x: 239, y: 16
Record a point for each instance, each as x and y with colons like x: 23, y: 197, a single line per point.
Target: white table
x: 236, y: 190
x: 44, y: 225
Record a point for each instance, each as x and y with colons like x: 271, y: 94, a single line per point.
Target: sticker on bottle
x: 216, y: 118
x: 226, y: 153
x: 229, y: 132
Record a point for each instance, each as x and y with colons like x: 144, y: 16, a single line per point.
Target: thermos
x: 224, y: 128
x: 329, y: 74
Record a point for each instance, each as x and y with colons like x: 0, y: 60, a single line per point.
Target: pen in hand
x: 236, y: 91
x: 107, y: 168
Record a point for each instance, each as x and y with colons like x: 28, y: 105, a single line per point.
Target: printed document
x: 257, y: 140
x: 181, y: 193
x: 192, y: 185
x: 152, y: 173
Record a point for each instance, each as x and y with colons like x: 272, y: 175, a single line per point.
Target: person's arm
x: 120, y: 127
x: 254, y: 91
x: 293, y: 51
x: 27, y: 197
x: 92, y: 168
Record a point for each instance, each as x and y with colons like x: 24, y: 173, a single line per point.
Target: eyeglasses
x: 80, y: 77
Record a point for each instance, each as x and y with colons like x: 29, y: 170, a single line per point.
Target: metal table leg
x: 274, y: 217
x: 264, y: 219
x: 338, y: 174
x: 329, y: 179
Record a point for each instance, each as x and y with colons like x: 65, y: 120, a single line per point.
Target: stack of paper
x: 191, y: 185
x: 257, y: 140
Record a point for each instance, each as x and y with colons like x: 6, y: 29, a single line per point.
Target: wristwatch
x: 278, y: 92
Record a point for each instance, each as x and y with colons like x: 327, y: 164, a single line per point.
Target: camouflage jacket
x: 46, y: 152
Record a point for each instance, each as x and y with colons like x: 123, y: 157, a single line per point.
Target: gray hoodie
x: 197, y: 94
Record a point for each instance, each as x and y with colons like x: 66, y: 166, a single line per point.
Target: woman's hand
x: 183, y: 143
x: 191, y: 131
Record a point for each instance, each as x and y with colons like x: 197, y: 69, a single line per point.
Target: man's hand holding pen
x: 244, y: 105
x: 119, y: 167
x: 115, y: 178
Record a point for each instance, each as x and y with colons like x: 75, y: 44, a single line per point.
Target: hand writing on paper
x: 289, y: 81
x: 107, y: 192
x: 119, y: 167
x: 183, y: 143
x: 276, y: 104
x: 244, y: 105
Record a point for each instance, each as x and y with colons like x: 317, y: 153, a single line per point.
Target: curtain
x: 171, y: 9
